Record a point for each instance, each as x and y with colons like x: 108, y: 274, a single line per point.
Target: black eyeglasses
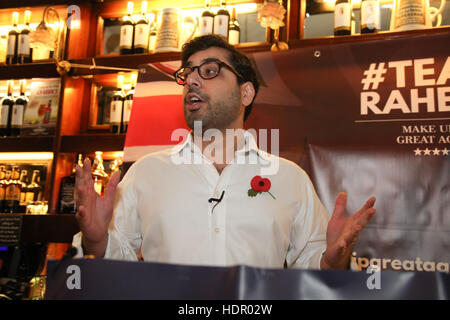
x: 207, y: 70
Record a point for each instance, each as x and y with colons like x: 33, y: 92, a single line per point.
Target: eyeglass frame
x: 220, y: 64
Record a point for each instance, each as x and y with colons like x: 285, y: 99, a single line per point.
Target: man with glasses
x: 204, y: 213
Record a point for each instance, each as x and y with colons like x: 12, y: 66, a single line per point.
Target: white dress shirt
x: 162, y: 209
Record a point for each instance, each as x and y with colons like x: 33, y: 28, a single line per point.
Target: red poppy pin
x: 259, y: 185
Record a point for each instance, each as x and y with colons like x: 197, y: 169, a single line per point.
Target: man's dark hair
x: 239, y: 61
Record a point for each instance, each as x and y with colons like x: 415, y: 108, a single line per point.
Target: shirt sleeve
x: 308, y: 234
x: 124, y: 236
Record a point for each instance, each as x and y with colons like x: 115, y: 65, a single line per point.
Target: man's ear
x: 247, y: 93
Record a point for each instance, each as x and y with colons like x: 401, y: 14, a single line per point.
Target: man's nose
x: 193, y: 79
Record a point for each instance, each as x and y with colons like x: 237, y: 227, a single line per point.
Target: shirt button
x: 216, y: 230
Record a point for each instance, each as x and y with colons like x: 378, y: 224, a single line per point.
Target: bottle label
x: 409, y: 12
x: 24, y: 45
x: 221, y: 25
x: 152, y: 42
x: 141, y: 34
x: 11, y: 45
x: 12, y: 193
x: 370, y: 15
x: 4, y: 115
x: 29, y: 196
x: 342, y: 16
x: 206, y: 25
x: 233, y: 37
x: 115, y: 116
x: 126, y: 36
x: 127, y: 105
x: 17, y: 115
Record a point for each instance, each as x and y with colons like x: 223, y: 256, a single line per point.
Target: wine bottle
x: 370, y: 16
x: 207, y: 20
x: 116, y: 108
x: 127, y: 32
x: 128, y: 104
x: 141, y: 31
x: 234, y: 29
x: 18, y: 110
x: 2, y: 187
x: 99, y: 174
x: 23, y: 187
x: 4, y: 184
x: 11, y: 53
x: 342, y: 17
x: 24, y: 51
x: 6, y: 111
x: 153, y: 33
x: 222, y: 21
x: 12, y: 195
x: 34, y: 189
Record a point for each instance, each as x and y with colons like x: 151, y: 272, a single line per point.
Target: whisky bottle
x: 127, y: 31
x: 207, y: 20
x: 116, y: 108
x: 18, y: 110
x: 99, y: 174
x: 24, y: 51
x: 2, y: 187
x: 34, y: 190
x: 11, y: 53
x: 67, y: 191
x: 141, y: 31
x: 23, y: 187
x: 128, y: 104
x: 222, y: 21
x: 370, y: 16
x: 342, y: 17
x: 6, y: 111
x: 234, y: 29
x: 12, y: 194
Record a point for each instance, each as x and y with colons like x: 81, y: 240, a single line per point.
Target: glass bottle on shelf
x: 99, y: 174
x: 23, y: 187
x: 128, y: 103
x: 34, y: 189
x: 222, y: 20
x: 24, y: 51
x: 18, y: 110
x: 234, y: 29
x: 207, y: 20
x: 370, y: 16
x: 342, y: 17
x: 116, y: 108
x: 127, y: 31
x: 6, y: 111
x: 153, y: 34
x: 12, y: 194
x: 11, y: 53
x: 141, y: 31
x: 2, y: 187
x: 67, y: 192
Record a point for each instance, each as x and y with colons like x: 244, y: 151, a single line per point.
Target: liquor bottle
x: 128, y: 104
x: 370, y: 16
x: 6, y: 111
x: 234, y: 29
x: 11, y: 53
x: 34, y: 190
x: 153, y: 33
x: 24, y: 51
x: 2, y: 187
x: 342, y: 17
x: 67, y: 196
x: 18, y: 110
x: 48, y: 112
x: 207, y: 20
x: 23, y: 187
x: 141, y: 31
x: 12, y: 194
x: 116, y: 111
x: 127, y: 31
x: 99, y: 174
x: 222, y: 21
x: 4, y: 184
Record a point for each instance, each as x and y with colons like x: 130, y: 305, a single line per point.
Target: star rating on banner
x: 431, y: 152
